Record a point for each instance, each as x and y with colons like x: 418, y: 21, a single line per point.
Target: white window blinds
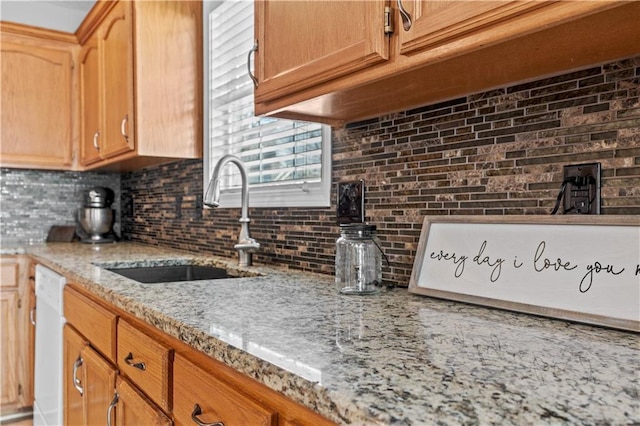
x: 274, y: 151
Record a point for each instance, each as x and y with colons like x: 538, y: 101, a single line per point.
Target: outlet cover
x: 583, y: 196
x: 350, y: 202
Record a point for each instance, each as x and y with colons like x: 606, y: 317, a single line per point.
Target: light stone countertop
x: 393, y: 358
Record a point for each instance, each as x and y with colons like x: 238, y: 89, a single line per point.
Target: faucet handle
x: 248, y: 245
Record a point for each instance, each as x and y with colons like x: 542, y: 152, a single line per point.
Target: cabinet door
x: 197, y: 392
x: 90, y: 135
x: 116, y: 49
x: 305, y: 43
x: 32, y: 334
x: 9, y: 348
x: 437, y: 22
x: 37, y: 110
x: 73, y: 382
x: 133, y: 408
x: 89, y: 381
x: 99, y: 384
x: 16, y: 376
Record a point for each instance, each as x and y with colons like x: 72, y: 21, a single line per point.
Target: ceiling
x: 52, y: 14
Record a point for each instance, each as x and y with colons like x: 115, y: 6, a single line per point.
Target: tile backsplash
x: 497, y: 152
x: 31, y: 201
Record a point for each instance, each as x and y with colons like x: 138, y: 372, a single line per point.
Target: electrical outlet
x: 350, y: 202
x: 582, y: 194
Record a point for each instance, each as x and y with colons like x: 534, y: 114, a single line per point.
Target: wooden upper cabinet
x: 437, y: 22
x: 37, y: 102
x: 317, y: 61
x: 90, y: 105
x: 305, y: 43
x: 148, y: 74
x: 115, y: 44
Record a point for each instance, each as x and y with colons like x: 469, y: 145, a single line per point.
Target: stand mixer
x: 96, y: 216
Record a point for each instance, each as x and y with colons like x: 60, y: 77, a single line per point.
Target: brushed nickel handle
x: 96, y: 135
x: 114, y: 401
x: 251, y: 52
x: 194, y: 416
x: 406, y: 18
x: 139, y: 365
x: 123, y: 127
x: 32, y: 316
x: 76, y: 382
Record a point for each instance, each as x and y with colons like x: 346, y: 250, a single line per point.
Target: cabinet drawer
x: 9, y: 272
x: 95, y: 323
x: 218, y: 402
x: 146, y: 362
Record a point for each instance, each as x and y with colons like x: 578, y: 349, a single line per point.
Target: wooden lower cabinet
x: 132, y: 407
x: 72, y: 382
x: 146, y: 362
x: 89, y: 381
x: 16, y: 384
x: 8, y: 334
x: 156, y: 379
x: 198, y: 393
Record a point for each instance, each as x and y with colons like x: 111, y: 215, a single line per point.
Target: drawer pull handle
x: 111, y: 407
x: 123, y: 127
x: 32, y: 316
x: 76, y: 382
x: 194, y: 416
x: 96, y: 135
x: 139, y: 365
x: 251, y: 52
x: 406, y: 18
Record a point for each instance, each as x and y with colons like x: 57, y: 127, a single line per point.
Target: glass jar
x: 358, y: 260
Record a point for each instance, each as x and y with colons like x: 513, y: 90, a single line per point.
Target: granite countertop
x: 393, y: 358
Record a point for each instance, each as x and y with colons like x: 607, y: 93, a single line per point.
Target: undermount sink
x: 174, y: 273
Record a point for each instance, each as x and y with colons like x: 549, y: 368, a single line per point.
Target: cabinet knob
x: 139, y: 365
x: 194, y: 416
x: 406, y: 18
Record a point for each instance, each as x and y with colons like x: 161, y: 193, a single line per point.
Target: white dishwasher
x: 47, y: 405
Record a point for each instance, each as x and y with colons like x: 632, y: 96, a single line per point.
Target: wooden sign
x: 580, y: 268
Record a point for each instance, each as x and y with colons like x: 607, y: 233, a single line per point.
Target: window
x: 288, y: 162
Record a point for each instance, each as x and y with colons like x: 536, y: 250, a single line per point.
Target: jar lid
x: 357, y: 227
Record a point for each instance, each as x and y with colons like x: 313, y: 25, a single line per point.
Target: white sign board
x: 581, y: 268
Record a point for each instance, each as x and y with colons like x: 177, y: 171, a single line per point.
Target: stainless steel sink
x: 167, y: 274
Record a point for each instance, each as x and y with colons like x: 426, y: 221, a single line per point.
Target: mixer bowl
x: 96, y: 222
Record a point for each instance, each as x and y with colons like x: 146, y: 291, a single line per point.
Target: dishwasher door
x: 47, y: 406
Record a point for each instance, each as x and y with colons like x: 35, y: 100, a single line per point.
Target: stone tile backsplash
x: 31, y: 201
x: 498, y: 152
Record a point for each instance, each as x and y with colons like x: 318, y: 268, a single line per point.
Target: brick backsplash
x: 497, y: 152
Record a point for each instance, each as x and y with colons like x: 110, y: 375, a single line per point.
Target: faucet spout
x: 246, y: 245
